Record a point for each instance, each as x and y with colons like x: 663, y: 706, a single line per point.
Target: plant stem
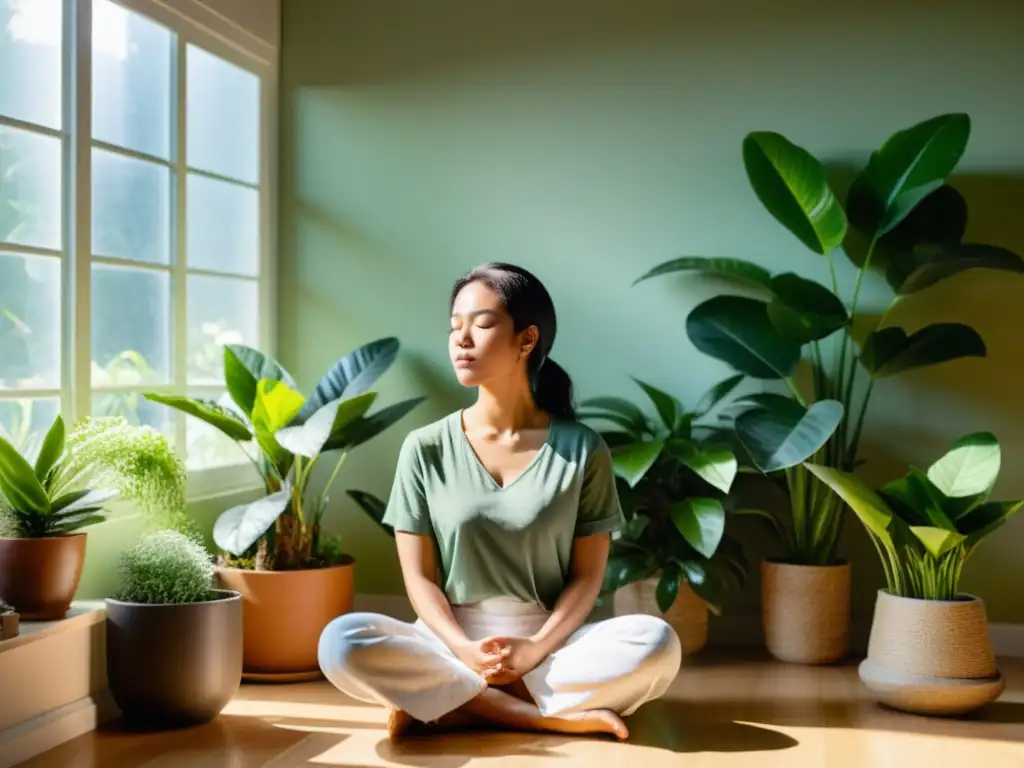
x: 327, y: 487
x: 854, y: 444
x: 795, y: 391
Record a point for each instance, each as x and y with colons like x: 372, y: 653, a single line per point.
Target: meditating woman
x: 502, y: 515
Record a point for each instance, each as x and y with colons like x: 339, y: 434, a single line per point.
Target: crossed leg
x: 603, y: 671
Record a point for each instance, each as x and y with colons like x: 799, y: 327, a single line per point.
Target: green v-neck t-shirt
x: 513, y: 540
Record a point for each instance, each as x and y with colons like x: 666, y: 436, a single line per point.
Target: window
x: 134, y: 224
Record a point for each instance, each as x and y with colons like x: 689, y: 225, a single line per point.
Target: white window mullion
x: 77, y: 368
x: 180, y: 271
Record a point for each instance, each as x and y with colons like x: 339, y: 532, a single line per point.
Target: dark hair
x: 528, y: 302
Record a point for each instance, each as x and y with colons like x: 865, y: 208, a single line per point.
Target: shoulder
x: 576, y: 439
x: 426, y: 443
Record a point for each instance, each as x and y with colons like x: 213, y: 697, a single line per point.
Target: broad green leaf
x: 701, y: 522
x: 970, y: 468
x: 924, y: 500
x: 308, y: 439
x: 782, y: 437
x: 78, y: 501
x: 18, y: 482
x: 719, y: 392
x: 737, y: 331
x: 745, y: 272
x: 805, y: 310
x: 624, y: 569
x: 702, y: 581
x: 50, y: 453
x: 353, y: 374
x: 244, y: 367
x: 619, y: 406
x: 667, y: 589
x: 668, y: 407
x: 373, y: 507
x: 632, y: 461
x: 935, y: 262
x: 889, y: 351
x: 940, y: 218
x: 366, y: 428
x: 936, y: 540
x: 715, y: 464
x: 633, y: 428
x: 792, y: 184
x: 77, y: 522
x: 912, y: 164
x: 240, y: 527
x: 873, y: 512
x: 213, y: 414
x: 276, y: 405
x: 981, y: 521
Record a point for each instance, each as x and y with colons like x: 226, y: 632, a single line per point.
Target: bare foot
x: 398, y: 723
x: 592, y: 721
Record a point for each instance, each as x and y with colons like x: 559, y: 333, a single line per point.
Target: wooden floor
x: 720, y: 712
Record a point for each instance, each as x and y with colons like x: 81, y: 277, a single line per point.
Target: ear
x: 528, y: 340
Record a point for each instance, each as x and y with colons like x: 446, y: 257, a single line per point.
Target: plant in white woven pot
x: 674, y: 559
x: 929, y: 651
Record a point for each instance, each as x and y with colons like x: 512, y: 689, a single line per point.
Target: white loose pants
x: 617, y: 664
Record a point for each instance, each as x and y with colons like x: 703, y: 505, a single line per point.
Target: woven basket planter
x: 688, y: 615
x: 805, y: 611
x: 931, y: 657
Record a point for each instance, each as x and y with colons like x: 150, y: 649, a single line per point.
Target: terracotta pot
x: 688, y: 615
x: 173, y: 665
x: 805, y: 611
x: 283, y: 614
x: 931, y: 657
x: 39, y: 576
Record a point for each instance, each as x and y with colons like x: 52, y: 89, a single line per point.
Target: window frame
x: 192, y: 24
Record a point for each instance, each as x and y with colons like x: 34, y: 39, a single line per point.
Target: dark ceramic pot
x: 174, y: 665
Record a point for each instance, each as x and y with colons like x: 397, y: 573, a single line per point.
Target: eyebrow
x: 479, y: 312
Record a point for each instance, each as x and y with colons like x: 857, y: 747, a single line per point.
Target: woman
x: 502, y: 515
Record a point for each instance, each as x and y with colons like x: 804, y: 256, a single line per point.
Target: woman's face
x: 483, y: 344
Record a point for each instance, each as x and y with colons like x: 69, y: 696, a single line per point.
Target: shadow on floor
x: 663, y: 725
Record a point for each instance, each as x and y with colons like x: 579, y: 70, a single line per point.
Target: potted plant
x: 674, y: 557
x: 49, y: 496
x: 293, y: 579
x: 173, y: 641
x: 929, y: 650
x: 901, y: 218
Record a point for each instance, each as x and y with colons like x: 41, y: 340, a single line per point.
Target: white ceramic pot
x: 931, y: 657
x: 688, y: 615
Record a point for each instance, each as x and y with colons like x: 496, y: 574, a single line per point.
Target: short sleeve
x: 407, y: 509
x: 599, y: 510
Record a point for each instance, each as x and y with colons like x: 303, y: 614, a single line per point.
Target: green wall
x: 589, y: 141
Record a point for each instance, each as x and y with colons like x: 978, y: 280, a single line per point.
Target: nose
x: 463, y: 337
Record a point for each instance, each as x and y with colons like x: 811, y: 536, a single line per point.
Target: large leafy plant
x: 64, y: 484
x: 286, y: 435
x: 673, y: 483
x: 926, y: 525
x: 902, y: 218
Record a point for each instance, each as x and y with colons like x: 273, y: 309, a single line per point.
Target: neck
x: 506, y: 407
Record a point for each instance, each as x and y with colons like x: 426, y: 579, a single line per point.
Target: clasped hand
x: 501, y: 660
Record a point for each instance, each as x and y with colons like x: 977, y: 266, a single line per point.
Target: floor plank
x: 722, y: 712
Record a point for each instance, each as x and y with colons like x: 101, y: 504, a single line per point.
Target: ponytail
x: 553, y: 391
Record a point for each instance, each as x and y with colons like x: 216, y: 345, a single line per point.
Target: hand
x: 482, y: 656
x: 522, y: 654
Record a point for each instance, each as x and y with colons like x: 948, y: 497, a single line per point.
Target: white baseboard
x: 736, y: 631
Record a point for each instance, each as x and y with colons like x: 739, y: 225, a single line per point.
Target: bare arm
x: 419, y: 572
x: 589, y: 558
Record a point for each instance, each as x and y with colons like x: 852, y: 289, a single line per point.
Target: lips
x: 464, y: 361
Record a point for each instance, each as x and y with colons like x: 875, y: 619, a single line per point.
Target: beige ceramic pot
x: 283, y: 615
x: 688, y: 615
x: 805, y: 611
x: 931, y: 657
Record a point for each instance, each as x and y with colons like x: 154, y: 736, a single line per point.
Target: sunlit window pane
x: 131, y: 208
x: 31, y: 33
x: 29, y: 322
x: 220, y: 311
x: 30, y: 189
